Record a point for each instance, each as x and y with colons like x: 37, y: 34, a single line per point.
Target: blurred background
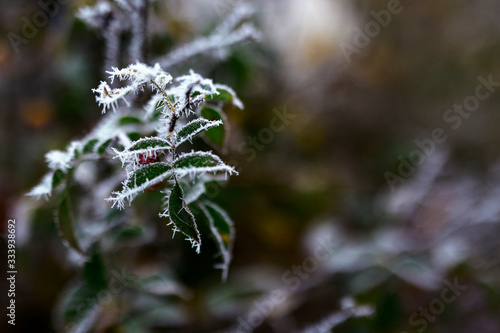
x: 361, y: 87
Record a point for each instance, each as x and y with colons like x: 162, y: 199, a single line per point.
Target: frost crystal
x: 191, y: 84
x: 58, y: 159
x: 139, y: 75
x: 93, y: 15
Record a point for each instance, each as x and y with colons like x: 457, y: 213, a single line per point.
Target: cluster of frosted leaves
x: 149, y: 155
x: 95, y: 145
x: 189, y: 166
x: 151, y: 161
x: 139, y: 76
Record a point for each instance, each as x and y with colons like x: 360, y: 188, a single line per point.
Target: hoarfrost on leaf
x: 44, y: 189
x: 57, y: 159
x: 200, y: 162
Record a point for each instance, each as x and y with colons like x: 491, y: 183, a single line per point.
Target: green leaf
x: 66, y: 225
x: 134, y: 136
x: 226, y: 94
x: 57, y: 178
x: 216, y: 136
x: 222, y: 224
x: 193, y: 189
x: 103, y: 146
x: 128, y: 120
x: 149, y: 143
x: 222, y: 229
x: 200, y: 162
x: 195, y: 127
x: 148, y: 173
x: 89, y: 146
x: 223, y: 95
x: 140, y: 180
x: 162, y: 285
x: 79, y: 309
x: 132, y: 235
x: 196, y: 160
x: 76, y: 154
x: 181, y: 216
x: 94, y: 272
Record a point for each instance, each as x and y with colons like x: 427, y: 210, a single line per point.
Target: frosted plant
x: 182, y: 109
x: 141, y: 147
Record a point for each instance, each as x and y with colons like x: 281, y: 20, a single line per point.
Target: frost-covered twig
x: 229, y: 33
x: 104, y: 18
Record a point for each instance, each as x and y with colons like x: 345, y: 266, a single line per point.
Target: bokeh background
x: 356, y: 118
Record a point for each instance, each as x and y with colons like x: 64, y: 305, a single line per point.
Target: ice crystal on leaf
x: 44, y: 189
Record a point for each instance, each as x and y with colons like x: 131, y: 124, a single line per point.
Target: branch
x: 225, y: 36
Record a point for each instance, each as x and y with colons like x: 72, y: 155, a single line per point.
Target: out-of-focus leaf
x: 66, y: 225
x: 94, y: 272
x: 193, y: 189
x: 79, y: 309
x: 159, y: 284
x: 226, y: 94
x: 89, y: 146
x: 102, y: 148
x: 44, y: 189
x: 57, y: 178
x: 223, y: 231
x: 128, y: 120
x: 131, y: 235
x: 134, y: 136
x: 216, y: 136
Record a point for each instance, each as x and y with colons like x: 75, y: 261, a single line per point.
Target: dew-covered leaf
x: 194, y: 128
